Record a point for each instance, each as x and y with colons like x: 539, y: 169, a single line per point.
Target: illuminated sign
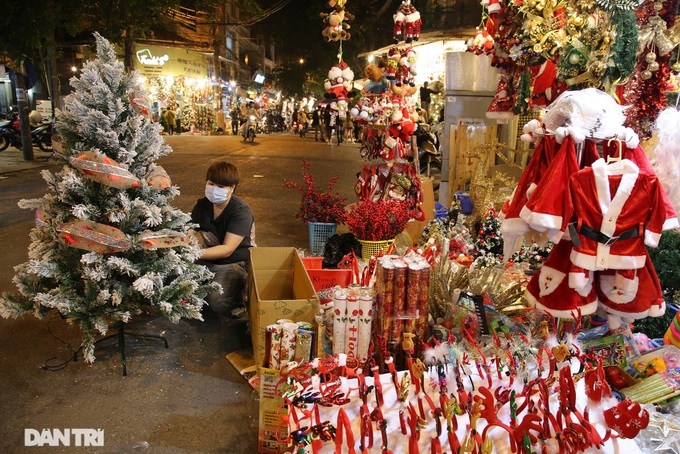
x: 146, y: 58
x: 259, y: 78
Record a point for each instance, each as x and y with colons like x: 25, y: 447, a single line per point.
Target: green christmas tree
x: 488, y: 250
x: 188, y: 117
x: 107, y: 244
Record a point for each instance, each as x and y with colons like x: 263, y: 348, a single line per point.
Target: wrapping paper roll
x: 423, y: 305
x: 411, y: 313
x: 339, y: 321
x: 352, y: 326
x: 288, y: 337
x: 273, y: 340
x: 399, y: 305
x: 387, y: 306
x: 366, y: 300
x: 303, y: 346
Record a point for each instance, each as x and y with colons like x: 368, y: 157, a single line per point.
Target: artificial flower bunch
x: 380, y: 220
x: 318, y: 206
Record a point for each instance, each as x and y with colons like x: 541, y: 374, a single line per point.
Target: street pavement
x: 184, y: 399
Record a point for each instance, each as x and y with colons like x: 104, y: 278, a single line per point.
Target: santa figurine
x: 340, y: 79
x: 412, y: 25
x: 393, y: 57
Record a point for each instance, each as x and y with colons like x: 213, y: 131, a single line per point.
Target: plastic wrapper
x: 366, y: 301
x: 92, y: 236
x: 339, y: 321
x: 158, y: 178
x: 273, y: 346
x: 288, y: 339
x: 42, y: 219
x: 162, y: 239
x: 104, y: 170
x: 386, y: 306
x: 352, y: 324
x: 304, y: 345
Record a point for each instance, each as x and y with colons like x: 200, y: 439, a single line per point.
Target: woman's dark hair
x: 223, y: 173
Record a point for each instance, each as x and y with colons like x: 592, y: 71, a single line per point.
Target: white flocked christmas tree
x: 107, y: 244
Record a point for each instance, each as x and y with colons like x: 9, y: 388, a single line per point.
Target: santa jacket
x: 614, y: 198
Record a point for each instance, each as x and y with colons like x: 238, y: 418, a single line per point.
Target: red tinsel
x: 648, y: 97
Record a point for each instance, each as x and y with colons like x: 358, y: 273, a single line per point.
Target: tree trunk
x: 26, y: 143
x: 129, y: 41
x: 53, y: 77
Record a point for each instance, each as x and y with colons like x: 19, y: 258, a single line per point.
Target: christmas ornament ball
x: 653, y: 66
x: 574, y: 59
x: 676, y: 67
x: 650, y: 57
x: 646, y: 74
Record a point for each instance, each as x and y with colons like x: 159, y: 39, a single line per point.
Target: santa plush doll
x: 393, y: 57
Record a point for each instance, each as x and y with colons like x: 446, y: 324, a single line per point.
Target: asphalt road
x: 263, y: 165
x: 184, y: 399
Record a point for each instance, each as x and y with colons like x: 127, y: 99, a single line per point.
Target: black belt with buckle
x: 589, y: 232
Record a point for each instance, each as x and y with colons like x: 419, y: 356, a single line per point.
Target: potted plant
x: 376, y: 224
x: 322, y: 211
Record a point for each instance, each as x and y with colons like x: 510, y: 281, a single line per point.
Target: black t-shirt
x: 236, y: 218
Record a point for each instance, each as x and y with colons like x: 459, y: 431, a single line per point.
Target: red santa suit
x: 640, y: 297
x: 512, y: 226
x: 549, y: 289
x: 545, y: 210
x: 638, y: 156
x: 609, y: 201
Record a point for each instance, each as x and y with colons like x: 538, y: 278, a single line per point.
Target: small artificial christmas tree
x: 107, y: 244
x: 488, y: 250
x: 188, y: 117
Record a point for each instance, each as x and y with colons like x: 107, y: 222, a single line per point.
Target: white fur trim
x: 555, y: 235
x: 586, y: 309
x: 614, y: 314
x: 611, y: 207
x: 603, y: 261
x: 579, y: 280
x: 389, y: 360
x: 513, y: 225
x: 316, y: 382
x: 532, y: 188
x: 657, y: 310
x: 342, y: 359
x: 413, y: 17
x: 652, y: 238
x: 494, y: 8
x: 315, y: 363
x: 670, y: 224
x: 544, y: 221
x: 399, y: 17
x: 344, y: 385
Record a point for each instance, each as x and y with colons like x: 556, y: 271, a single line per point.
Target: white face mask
x: 217, y: 195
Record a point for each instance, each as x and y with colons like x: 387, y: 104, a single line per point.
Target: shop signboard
x: 162, y: 61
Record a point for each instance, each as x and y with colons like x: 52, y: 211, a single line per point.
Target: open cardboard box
x: 279, y: 289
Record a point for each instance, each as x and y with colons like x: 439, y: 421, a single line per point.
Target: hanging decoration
x: 336, y: 21
x: 93, y: 236
x: 104, y: 170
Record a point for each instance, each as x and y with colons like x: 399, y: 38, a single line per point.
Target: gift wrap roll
x: 399, y: 304
x: 366, y: 298
x: 352, y: 326
x: 387, y: 307
x: 339, y: 321
x: 411, y: 312
x: 423, y: 305
x: 288, y: 337
x: 273, y: 343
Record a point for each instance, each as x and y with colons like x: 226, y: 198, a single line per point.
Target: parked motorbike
x: 250, y: 129
x: 301, y: 128
x: 429, y: 156
x: 10, y: 134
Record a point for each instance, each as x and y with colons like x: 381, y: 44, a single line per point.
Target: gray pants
x: 233, y: 277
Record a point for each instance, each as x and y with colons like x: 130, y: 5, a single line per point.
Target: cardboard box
x: 279, y: 289
x: 271, y: 409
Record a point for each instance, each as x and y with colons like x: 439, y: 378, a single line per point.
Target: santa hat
x: 549, y: 290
